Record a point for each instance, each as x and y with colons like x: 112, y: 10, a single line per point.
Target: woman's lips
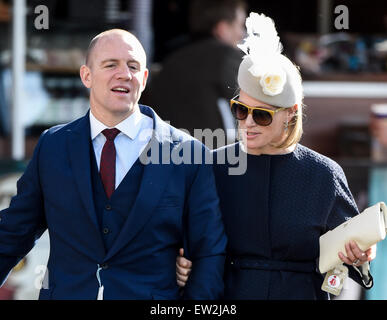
x: 252, y: 135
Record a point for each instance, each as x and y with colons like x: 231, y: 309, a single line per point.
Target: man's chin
x: 126, y: 109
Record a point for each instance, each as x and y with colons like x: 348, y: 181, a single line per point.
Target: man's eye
x: 109, y: 66
x: 133, y: 67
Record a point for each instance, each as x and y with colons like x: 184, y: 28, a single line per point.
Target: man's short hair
x: 206, y: 14
x: 92, y: 44
x: 94, y: 41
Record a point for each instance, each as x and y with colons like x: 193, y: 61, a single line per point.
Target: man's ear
x: 144, y: 80
x: 85, y: 75
x: 221, y: 29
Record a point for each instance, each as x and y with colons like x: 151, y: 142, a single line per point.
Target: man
x: 115, y: 223
x: 205, y: 70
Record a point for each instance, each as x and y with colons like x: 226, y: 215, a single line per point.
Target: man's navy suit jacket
x: 177, y: 204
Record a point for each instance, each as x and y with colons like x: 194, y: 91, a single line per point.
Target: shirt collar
x: 130, y: 126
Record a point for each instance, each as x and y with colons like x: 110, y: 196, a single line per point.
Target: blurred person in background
x: 190, y: 87
x: 290, y: 195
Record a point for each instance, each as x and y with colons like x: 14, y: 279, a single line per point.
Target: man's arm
x: 23, y: 222
x: 205, y: 242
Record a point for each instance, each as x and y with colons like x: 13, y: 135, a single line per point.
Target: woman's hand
x: 183, y: 269
x: 355, y: 256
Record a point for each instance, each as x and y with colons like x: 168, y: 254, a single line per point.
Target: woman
x: 289, y: 196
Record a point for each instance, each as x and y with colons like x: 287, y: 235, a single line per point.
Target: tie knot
x: 111, y: 134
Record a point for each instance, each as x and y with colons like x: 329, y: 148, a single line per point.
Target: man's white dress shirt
x: 136, y: 131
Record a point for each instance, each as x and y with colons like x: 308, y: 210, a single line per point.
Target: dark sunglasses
x: 262, y: 116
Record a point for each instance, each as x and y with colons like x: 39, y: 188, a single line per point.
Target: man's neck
x: 111, y: 120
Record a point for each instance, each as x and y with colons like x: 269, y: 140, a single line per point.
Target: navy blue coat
x: 274, y: 215
x: 176, y: 204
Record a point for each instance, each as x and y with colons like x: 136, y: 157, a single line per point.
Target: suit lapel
x: 154, y: 181
x: 79, y: 151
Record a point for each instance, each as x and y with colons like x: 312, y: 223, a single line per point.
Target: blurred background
x: 343, y: 61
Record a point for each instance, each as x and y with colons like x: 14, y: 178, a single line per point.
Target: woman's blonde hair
x: 295, y: 129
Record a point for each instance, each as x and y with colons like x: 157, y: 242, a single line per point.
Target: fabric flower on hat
x: 273, y: 82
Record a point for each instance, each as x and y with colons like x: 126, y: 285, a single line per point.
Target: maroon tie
x: 108, y: 161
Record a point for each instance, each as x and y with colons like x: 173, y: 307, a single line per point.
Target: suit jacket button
x: 108, y: 207
x: 105, y: 230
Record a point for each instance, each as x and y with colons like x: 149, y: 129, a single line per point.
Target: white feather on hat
x: 271, y: 77
x: 261, y: 33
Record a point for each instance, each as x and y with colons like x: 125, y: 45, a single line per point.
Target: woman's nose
x: 250, y: 121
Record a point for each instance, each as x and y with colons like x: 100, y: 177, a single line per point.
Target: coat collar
x: 78, y: 148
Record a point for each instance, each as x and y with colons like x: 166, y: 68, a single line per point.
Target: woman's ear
x: 85, y: 75
x: 292, y: 112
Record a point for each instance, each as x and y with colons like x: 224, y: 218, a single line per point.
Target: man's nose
x: 124, y: 73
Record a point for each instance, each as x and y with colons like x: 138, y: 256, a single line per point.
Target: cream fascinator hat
x: 264, y: 73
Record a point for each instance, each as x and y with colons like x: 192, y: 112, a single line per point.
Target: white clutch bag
x: 366, y: 229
